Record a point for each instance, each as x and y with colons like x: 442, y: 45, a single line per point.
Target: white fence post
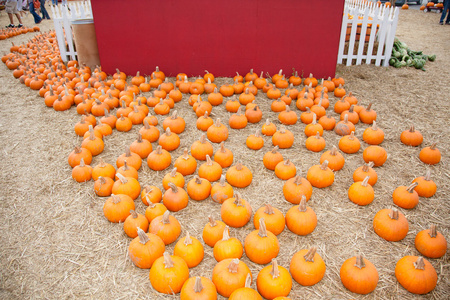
x: 62, y: 19
x: 363, y: 16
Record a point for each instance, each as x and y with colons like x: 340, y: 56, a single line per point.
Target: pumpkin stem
x: 411, y: 128
x: 146, y: 125
x: 352, y: 136
x: 115, y: 199
x: 197, y: 179
x: 187, y: 239
x: 360, y: 261
x: 374, y: 126
x: 275, y: 271
x: 174, y: 115
x: 203, y: 138
x: 309, y: 256
x: 433, y: 146
x: 78, y: 150
x: 314, y: 120
x: 333, y: 151
x: 419, y: 264
x: 324, y: 165
x: 185, y: 155
x: 168, y: 132
x: 298, y: 180
x: 173, y: 186
x: 247, y: 91
x: 165, y: 218
x: 282, y: 129
x: 369, y: 107
x: 222, y: 181
x: 302, y: 204
x: 122, y: 178
x: 238, y: 200
x: 82, y: 162
x: 233, y: 266
x: 433, y: 231
x: 218, y: 124
x: 428, y: 175
x: 262, y: 228
x: 393, y: 214
x: 365, y: 181
x: 287, y: 162
x: 133, y: 213
x: 106, y: 112
x: 317, y: 135
x: 212, y: 222
x: 143, y: 237
x: 411, y: 187
x: 226, y: 234
x: 275, y: 149
x: 198, y: 287
x: 173, y: 173
x: 288, y: 109
x: 159, y: 150
x: 209, y: 162
x: 346, y: 118
x: 125, y: 166
x: 261, y: 76
x: 239, y: 166
x: 269, y: 209
x: 127, y: 152
x: 91, y: 133
x: 168, y: 262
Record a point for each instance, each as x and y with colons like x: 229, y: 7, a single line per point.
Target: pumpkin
x: 82, y: 172
x: 198, y: 188
x: 221, y: 190
x: 174, y: 177
x: 226, y: 90
x: 126, y: 171
x: 133, y: 159
x: 431, y: 243
x: 274, y: 281
x: 201, y: 148
x: 390, y: 224
x: 236, y: 212
x: 368, y: 115
x: 238, y: 120
x: 204, y: 122
x: 117, y: 208
x: 189, y: 249
x: 339, y: 91
x: 344, y: 127
x: 425, y: 187
x: 315, y: 143
x: 416, y: 274
x: 239, y: 176
x: 126, y: 185
x: 213, y: 231
x: 307, y: 267
x: 253, y: 115
x: 429, y: 155
x: 351, y: 115
x: 246, y: 292
x: 361, y: 192
x: 283, y: 138
x: 94, y: 144
x: 307, y: 116
x: 285, y: 170
x: 359, y: 275
x: 341, y: 105
x: 154, y: 210
x: 261, y: 246
x: 229, y: 275
x: 310, y: 80
x: 103, y: 186
x: 151, y: 194
x: 217, y: 132
x: 273, y: 93
x: 273, y: 217
x: 223, y: 156
x: 268, y: 128
x: 335, y: 159
x: 159, y: 159
x: 304, y: 102
x: 295, y: 188
x: 406, y: 196
x: 149, y: 132
x: 166, y: 227
x: 141, y: 147
x: 255, y: 141
x: 82, y: 127
x: 215, y: 98
x: 175, y: 123
x: 168, y: 274
x: 300, y: 219
x: 349, y: 143
x: 169, y: 141
x: 80, y: 153
x: 320, y: 176
x: 312, y: 128
x: 375, y: 154
x: 281, y: 83
x: 175, y: 198
x: 186, y: 164
x: 366, y: 171
x: 246, y: 97
x: 133, y: 223
x: 373, y: 135
x: 145, y: 249
x: 272, y: 158
x: 227, y: 247
x: 411, y: 137
x: 232, y: 105
x: 319, y: 109
x: 198, y: 288
x: 210, y: 170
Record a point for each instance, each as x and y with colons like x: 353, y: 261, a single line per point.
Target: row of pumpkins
x: 12, y: 32
x: 95, y: 95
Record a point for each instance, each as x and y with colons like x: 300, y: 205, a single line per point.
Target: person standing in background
x: 37, y: 18
x: 11, y: 9
x: 44, y: 11
x: 55, y: 2
x: 444, y: 12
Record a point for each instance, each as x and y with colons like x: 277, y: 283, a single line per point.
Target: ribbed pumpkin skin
x: 270, y: 287
x: 433, y: 247
x: 227, y: 282
x: 143, y: 256
x: 360, y: 281
x: 390, y: 229
x: 245, y: 293
x: 208, y: 292
x: 415, y: 280
x: 305, y: 272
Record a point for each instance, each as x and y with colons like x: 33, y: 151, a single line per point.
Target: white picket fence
x: 62, y: 18
x: 380, y: 21
x: 374, y: 23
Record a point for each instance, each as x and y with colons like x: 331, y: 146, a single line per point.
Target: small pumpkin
x: 103, y: 186
x: 174, y: 177
x: 126, y: 185
x: 223, y: 156
x: 431, y: 243
x: 117, y: 208
x: 315, y: 143
x: 375, y: 154
x: 169, y: 141
x: 236, y: 212
x: 145, y: 249
x: 229, y: 275
x: 213, y: 231
x: 368, y: 115
x: 261, y: 245
x: 312, y: 128
x: 307, y: 267
x: 335, y: 159
x: 390, y: 224
x: 154, y: 210
x: 344, y: 127
x: 82, y: 172
x: 255, y: 141
x: 159, y: 159
x: 405, y: 196
x: 295, y: 188
x: 168, y: 274
x: 254, y: 115
x: 272, y: 158
x: 411, y: 137
x: 285, y: 170
x: 149, y: 132
x: 300, y: 219
x: 425, y: 187
x: 320, y: 176
x: 273, y: 217
x: 141, y: 147
x: 175, y: 198
x: 176, y: 123
x: 166, y: 227
x: 359, y: 275
x: 133, y: 223
x: 268, y: 128
x: 349, y: 143
x: 210, y: 170
x: 227, y: 247
x: 221, y: 191
x: 151, y: 194
x: 366, y: 171
x: 283, y: 138
x: 186, y: 164
x: 373, y: 135
x: 198, y: 188
x: 429, y: 155
x: 198, y: 288
x: 416, y: 274
x: 190, y: 250
x: 239, y: 176
x: 361, y: 192
x: 274, y: 281
x: 133, y: 159
x: 217, y: 132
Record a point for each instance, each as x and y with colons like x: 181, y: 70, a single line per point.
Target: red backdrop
x: 222, y: 36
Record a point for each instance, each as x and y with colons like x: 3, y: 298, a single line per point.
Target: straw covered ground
x: 56, y: 243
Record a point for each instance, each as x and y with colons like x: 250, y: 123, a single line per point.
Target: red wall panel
x: 222, y: 36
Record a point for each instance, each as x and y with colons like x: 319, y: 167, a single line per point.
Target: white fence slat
x: 391, y: 37
x: 373, y: 33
